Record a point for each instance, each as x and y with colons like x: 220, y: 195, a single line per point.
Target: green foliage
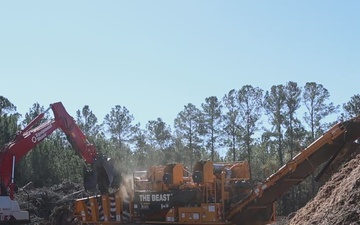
x: 160, y: 140
x: 212, y: 124
x: 294, y: 130
x: 352, y: 108
x: 232, y: 128
x: 8, y: 120
x: 118, y: 123
x: 274, y: 104
x: 87, y: 122
x: 250, y: 111
x: 314, y: 98
x: 188, y: 128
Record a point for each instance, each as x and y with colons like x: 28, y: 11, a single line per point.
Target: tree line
x: 265, y: 127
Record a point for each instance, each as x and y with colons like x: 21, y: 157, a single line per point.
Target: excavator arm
x: 100, y: 172
x: 74, y: 135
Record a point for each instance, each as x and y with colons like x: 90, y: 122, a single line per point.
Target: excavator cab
x: 101, y: 175
x: 10, y: 209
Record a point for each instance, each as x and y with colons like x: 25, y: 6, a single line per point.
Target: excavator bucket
x: 102, y: 175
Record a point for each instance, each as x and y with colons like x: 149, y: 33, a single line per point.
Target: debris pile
x: 337, y: 201
x: 53, y: 205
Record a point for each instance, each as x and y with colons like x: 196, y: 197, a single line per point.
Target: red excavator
x: 99, y: 171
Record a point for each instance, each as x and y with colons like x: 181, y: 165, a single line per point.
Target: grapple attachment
x: 101, y: 175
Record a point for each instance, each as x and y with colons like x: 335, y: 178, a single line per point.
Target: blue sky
x: 154, y: 57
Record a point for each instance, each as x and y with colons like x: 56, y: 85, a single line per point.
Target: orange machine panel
x: 211, y: 212
x: 190, y: 214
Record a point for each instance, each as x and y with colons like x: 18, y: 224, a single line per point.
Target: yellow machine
x: 216, y: 193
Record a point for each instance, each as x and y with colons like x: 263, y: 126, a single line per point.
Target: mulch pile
x: 337, y: 201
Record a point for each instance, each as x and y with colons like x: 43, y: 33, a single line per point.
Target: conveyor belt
x: 336, y: 144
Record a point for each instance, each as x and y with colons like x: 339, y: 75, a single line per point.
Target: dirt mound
x: 53, y: 205
x: 337, y: 202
